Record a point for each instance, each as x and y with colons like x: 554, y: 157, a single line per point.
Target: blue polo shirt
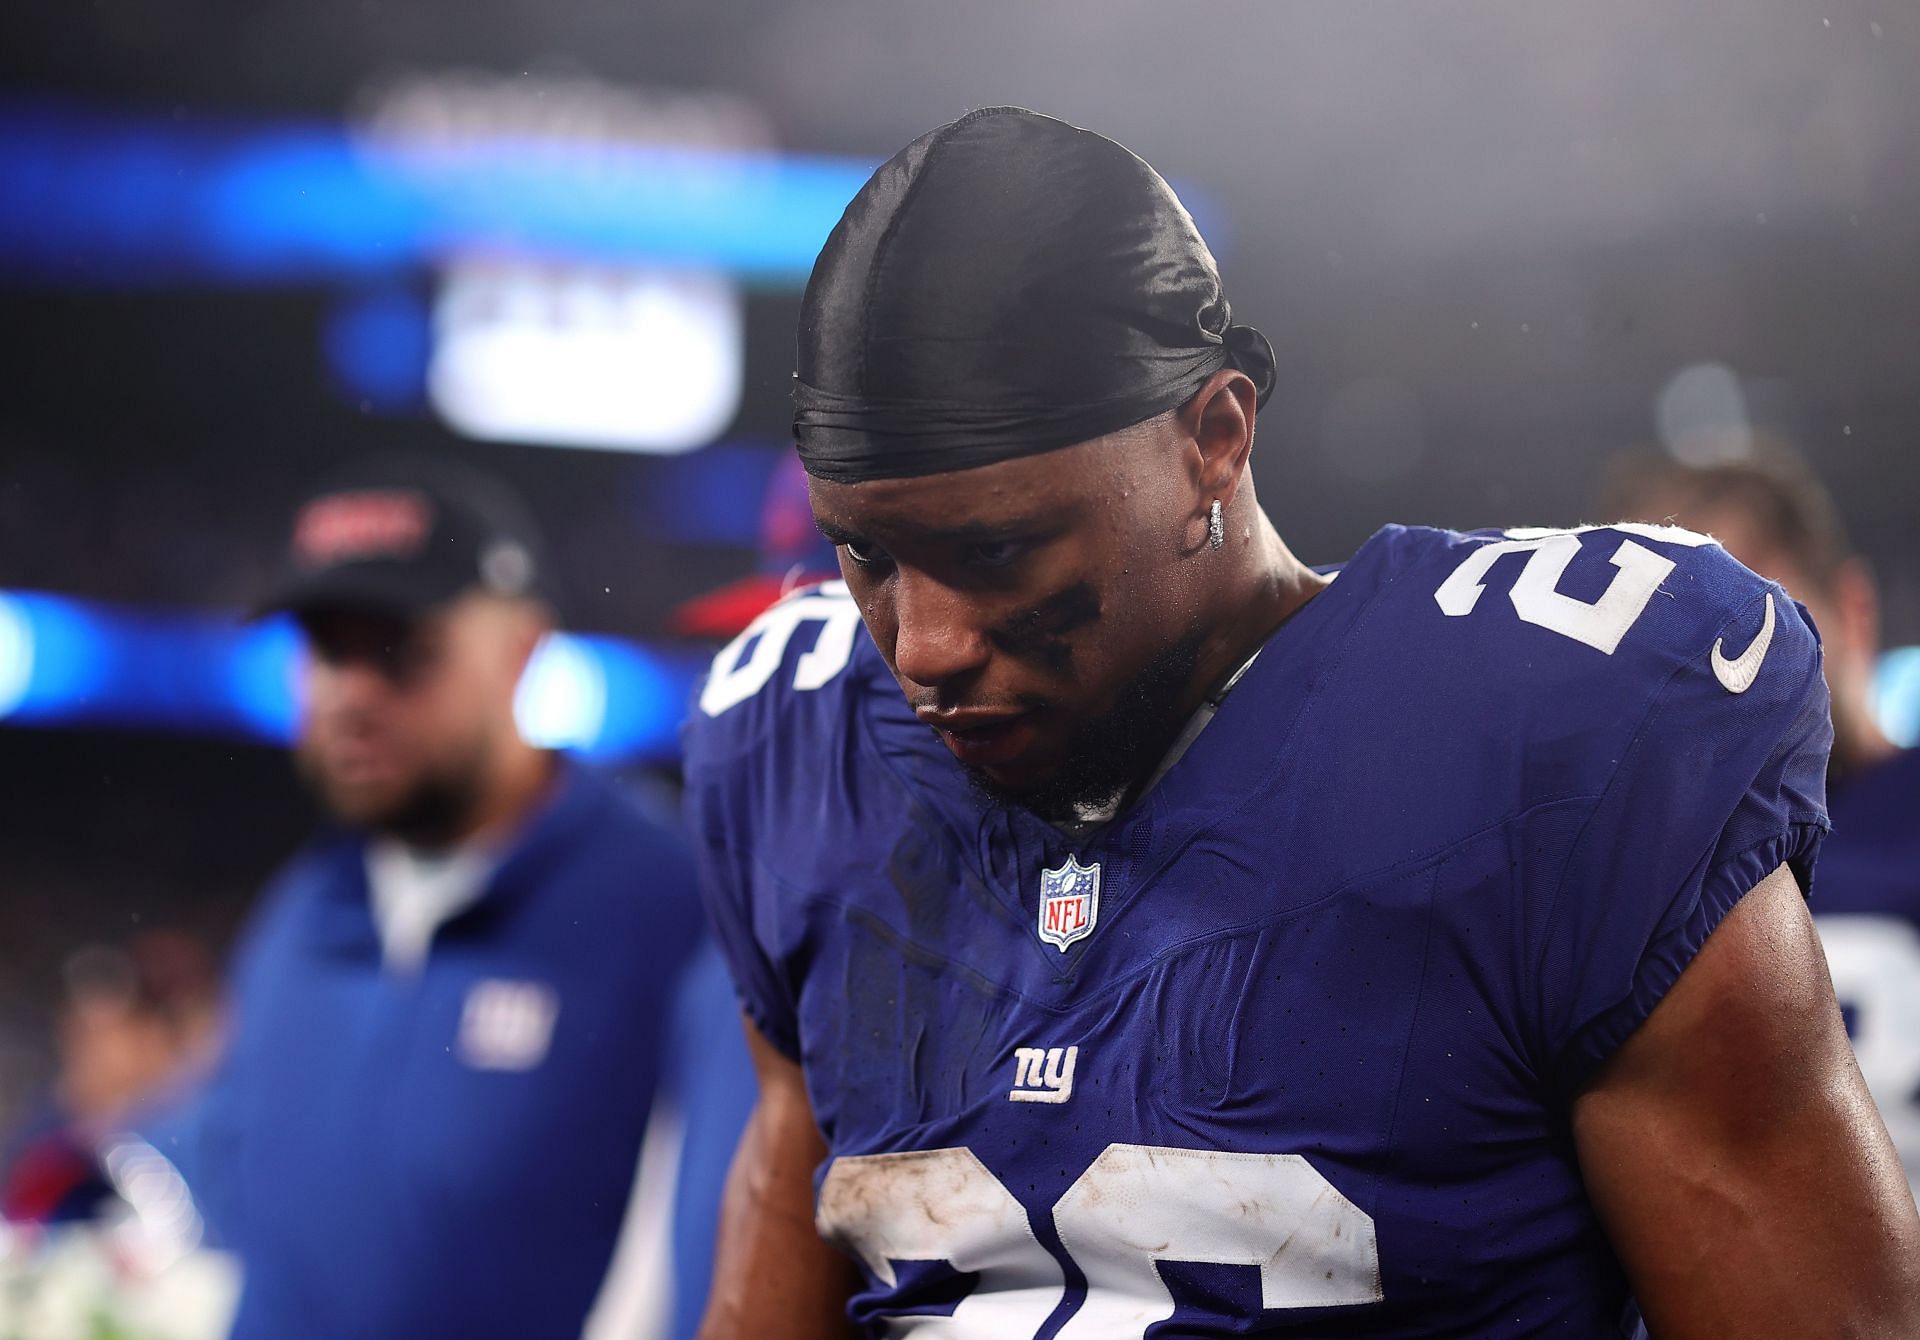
x: 447, y: 1152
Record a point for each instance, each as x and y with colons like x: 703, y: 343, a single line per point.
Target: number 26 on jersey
x: 1136, y: 1206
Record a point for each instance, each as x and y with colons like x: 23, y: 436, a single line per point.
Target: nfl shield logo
x: 1069, y: 902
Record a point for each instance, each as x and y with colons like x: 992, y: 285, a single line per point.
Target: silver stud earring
x: 1216, y: 525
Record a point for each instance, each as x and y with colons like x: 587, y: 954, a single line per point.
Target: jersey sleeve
x: 729, y: 740
x: 722, y: 849
x: 1719, y: 786
x: 770, y: 710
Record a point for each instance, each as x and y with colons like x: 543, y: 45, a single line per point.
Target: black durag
x: 1005, y: 285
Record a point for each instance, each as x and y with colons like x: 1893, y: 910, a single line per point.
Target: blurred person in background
x: 1773, y: 514
x: 134, y: 1022
x: 449, y: 1013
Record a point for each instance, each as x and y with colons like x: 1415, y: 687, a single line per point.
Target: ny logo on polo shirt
x: 507, y: 1025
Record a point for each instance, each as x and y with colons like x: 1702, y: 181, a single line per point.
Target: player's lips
x: 983, y: 739
x: 357, y: 762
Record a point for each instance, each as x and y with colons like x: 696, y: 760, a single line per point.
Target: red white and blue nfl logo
x: 1069, y: 902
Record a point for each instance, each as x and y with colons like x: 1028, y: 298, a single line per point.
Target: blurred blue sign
x: 91, y: 197
x: 71, y: 662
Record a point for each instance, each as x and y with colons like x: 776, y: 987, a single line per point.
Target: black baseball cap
x: 404, y: 536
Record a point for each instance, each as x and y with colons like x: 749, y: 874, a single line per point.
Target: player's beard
x: 1109, y: 754
x: 431, y: 812
x: 435, y: 811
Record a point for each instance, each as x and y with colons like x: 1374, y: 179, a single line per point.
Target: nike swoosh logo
x: 1737, y: 675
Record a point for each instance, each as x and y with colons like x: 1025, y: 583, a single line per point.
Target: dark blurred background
x: 241, y: 244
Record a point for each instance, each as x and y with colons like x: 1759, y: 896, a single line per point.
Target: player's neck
x: 517, y: 782
x: 1267, y: 586
x: 520, y: 785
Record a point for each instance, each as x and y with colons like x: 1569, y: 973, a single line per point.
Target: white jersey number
x: 1536, y: 596
x: 943, y: 1205
x: 745, y: 664
x: 1136, y: 1206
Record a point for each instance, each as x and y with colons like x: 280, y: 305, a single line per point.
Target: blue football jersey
x: 1288, y: 1047
x: 1868, y: 912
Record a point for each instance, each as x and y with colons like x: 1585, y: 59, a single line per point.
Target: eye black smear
x: 1039, y: 634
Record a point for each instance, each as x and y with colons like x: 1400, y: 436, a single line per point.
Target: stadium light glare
x: 54, y: 659
x: 1896, y: 695
x: 263, y: 678
x: 92, y: 197
x: 74, y: 662
x: 562, y: 699
x: 16, y: 655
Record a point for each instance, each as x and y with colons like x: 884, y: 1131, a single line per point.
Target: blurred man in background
x: 1773, y: 515
x: 448, y: 1013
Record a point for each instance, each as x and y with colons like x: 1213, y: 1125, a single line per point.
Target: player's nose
x: 937, y: 637
x: 345, y: 687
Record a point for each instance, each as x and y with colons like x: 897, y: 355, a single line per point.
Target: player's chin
x: 361, y: 804
x: 1030, y: 773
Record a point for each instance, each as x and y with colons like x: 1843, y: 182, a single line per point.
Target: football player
x: 1774, y: 516
x: 1142, y: 933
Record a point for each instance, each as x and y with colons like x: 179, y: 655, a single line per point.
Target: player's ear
x: 1219, y: 418
x: 522, y: 624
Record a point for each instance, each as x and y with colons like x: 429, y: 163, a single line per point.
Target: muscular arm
x: 1735, y: 1158
x: 772, y: 1274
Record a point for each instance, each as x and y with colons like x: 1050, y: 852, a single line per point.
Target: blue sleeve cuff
x: 778, y: 1031
x: 1668, y: 956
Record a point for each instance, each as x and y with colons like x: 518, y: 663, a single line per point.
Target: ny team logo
x: 1043, y: 1074
x: 507, y: 1025
x: 1069, y: 902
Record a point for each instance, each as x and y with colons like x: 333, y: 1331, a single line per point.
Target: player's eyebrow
x: 834, y: 533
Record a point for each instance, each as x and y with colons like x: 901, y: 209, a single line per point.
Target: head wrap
x: 1005, y: 285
